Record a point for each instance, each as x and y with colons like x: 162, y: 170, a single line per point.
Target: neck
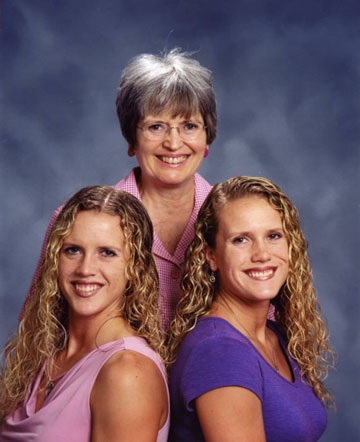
x: 85, y: 334
x: 250, y: 318
x: 158, y: 194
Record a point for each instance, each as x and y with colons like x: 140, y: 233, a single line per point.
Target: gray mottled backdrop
x: 286, y: 75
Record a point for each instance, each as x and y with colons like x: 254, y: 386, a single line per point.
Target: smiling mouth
x: 86, y: 290
x: 172, y: 160
x: 261, y: 275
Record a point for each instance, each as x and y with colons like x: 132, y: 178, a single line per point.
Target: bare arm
x: 129, y: 400
x: 230, y: 414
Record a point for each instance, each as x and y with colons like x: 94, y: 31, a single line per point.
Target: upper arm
x: 129, y: 400
x: 223, y: 380
x: 230, y: 414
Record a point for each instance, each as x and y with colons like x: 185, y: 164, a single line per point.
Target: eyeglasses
x: 188, y: 130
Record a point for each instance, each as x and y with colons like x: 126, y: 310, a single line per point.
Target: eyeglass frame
x: 167, y: 133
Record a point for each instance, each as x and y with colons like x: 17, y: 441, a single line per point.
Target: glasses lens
x: 155, y: 131
x: 190, y: 130
x: 187, y: 131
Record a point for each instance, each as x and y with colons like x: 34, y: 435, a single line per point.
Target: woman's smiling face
x: 170, y: 161
x: 92, y: 264
x: 251, y: 254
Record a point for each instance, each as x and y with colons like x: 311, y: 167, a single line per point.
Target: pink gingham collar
x: 129, y: 184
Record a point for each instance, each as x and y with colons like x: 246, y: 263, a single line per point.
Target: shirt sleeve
x: 220, y: 362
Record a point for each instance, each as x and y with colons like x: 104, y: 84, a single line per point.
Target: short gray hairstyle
x: 172, y: 81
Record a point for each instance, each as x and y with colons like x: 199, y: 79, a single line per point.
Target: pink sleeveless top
x: 65, y: 414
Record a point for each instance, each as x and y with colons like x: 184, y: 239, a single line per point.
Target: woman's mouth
x: 172, y: 160
x: 86, y: 289
x: 261, y: 274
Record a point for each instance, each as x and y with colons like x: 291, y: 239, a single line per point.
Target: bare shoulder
x: 129, y: 399
x: 129, y: 369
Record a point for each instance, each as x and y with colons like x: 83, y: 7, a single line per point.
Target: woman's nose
x: 173, y: 140
x: 86, y: 266
x: 260, y: 253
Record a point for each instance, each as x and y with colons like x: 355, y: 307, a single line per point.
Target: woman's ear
x: 210, y: 258
x: 131, y: 150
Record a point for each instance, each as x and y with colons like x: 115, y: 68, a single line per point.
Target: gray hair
x: 174, y: 82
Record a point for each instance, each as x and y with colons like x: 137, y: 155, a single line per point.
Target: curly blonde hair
x: 297, y: 311
x: 42, y: 332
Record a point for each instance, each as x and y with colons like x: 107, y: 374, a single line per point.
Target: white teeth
x: 172, y: 160
x: 86, y: 288
x: 263, y: 274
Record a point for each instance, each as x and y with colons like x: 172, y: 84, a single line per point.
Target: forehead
x: 92, y: 226
x: 249, y: 213
x: 173, y: 113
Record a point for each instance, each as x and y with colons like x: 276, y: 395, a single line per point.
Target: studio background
x: 286, y: 76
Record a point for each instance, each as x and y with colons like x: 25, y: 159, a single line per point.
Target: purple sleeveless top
x: 65, y: 414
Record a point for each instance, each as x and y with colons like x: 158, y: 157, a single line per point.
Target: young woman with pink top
x: 87, y: 361
x: 167, y: 112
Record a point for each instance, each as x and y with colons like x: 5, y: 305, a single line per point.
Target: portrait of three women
x: 163, y: 308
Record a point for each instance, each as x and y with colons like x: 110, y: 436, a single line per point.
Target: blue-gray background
x: 286, y: 75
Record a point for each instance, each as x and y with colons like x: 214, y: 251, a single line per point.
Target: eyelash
x: 106, y: 253
x: 242, y: 239
x: 239, y: 240
x: 71, y: 250
x: 275, y: 236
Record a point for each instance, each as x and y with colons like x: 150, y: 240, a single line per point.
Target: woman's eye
x: 239, y: 240
x: 71, y: 250
x: 275, y: 236
x: 191, y: 127
x: 108, y: 253
x: 158, y: 127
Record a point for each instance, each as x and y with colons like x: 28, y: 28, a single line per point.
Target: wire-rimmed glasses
x: 157, y: 131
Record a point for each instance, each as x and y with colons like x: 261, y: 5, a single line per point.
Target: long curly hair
x: 297, y: 311
x: 42, y: 332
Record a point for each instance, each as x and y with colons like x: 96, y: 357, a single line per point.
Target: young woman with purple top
x: 86, y: 363
x: 238, y: 376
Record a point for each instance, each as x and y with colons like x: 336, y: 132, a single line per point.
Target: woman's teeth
x: 264, y: 274
x: 173, y: 160
x: 86, y: 288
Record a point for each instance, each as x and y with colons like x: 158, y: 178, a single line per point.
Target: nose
x: 86, y: 266
x: 173, y: 140
x: 260, y: 252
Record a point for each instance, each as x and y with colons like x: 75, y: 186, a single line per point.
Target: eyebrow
x: 250, y: 233
x: 104, y: 246
x: 162, y: 121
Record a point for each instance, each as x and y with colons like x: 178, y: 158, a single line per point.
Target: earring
x: 206, y: 153
x: 212, y: 278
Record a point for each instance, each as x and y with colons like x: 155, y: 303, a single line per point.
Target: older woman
x: 167, y: 112
x: 83, y: 366
x: 237, y: 375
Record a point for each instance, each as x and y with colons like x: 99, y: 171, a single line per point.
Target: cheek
x: 61, y: 273
x: 285, y: 254
x: 199, y: 146
x: 231, y: 260
x: 144, y: 146
x: 118, y: 277
x: 65, y: 270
